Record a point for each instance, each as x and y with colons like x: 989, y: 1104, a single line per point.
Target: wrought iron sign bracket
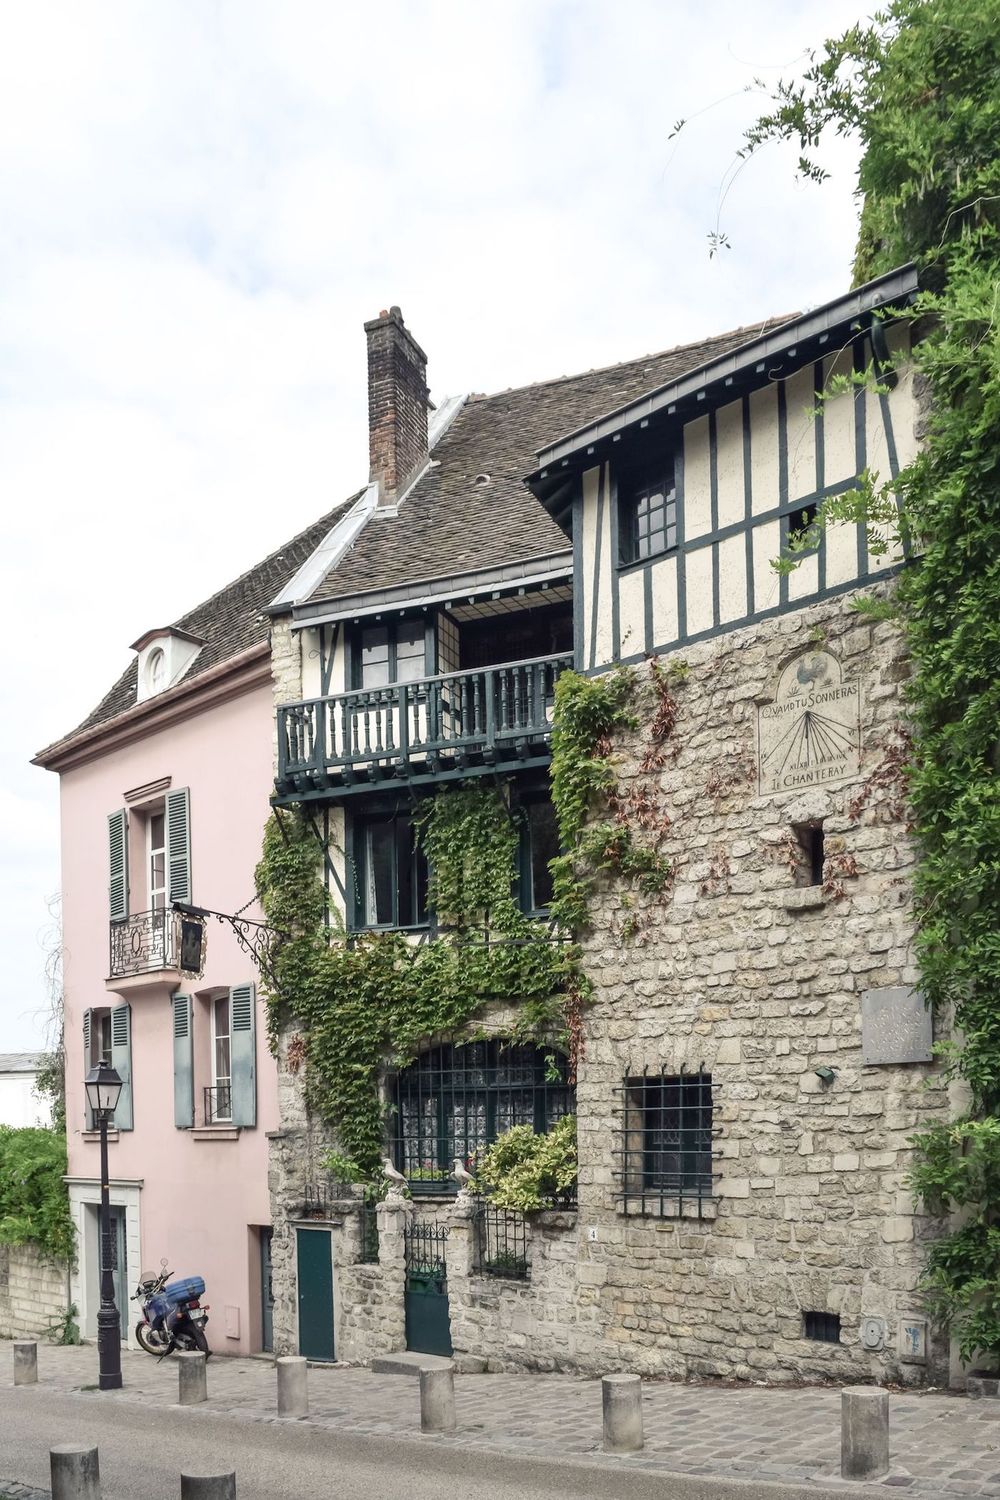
x: 255, y: 938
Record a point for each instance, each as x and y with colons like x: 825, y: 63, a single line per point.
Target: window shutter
x: 243, y: 1024
x: 88, y: 1027
x: 183, y: 1062
x: 118, y: 865
x: 179, y: 844
x: 121, y: 1061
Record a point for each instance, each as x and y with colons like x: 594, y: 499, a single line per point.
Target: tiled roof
x: 449, y: 523
x: 21, y: 1062
x: 230, y: 621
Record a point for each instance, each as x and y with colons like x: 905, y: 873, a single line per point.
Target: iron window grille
x: 647, y: 516
x: 219, y: 1104
x: 368, y: 1215
x: 665, y: 1155
x: 824, y: 1326
x: 456, y: 1099
x: 501, y: 1243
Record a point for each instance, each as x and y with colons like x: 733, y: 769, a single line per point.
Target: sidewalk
x: 941, y: 1445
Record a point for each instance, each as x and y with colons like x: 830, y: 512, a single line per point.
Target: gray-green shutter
x: 88, y: 1031
x: 183, y: 1062
x: 121, y: 1061
x: 179, y: 844
x: 118, y: 865
x: 243, y: 1052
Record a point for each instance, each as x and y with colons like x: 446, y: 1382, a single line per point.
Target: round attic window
x: 156, y: 671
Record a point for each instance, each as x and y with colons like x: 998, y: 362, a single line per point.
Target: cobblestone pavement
x: 940, y: 1444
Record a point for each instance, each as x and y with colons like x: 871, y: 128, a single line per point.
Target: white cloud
x: 199, y: 206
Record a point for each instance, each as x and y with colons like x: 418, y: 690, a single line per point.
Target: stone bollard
x: 208, y: 1486
x: 864, y: 1432
x: 75, y: 1471
x: 293, y: 1392
x: 25, y: 1363
x: 192, y: 1378
x: 437, y: 1401
x: 621, y: 1397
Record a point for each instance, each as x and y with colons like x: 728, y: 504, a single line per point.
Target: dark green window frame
x: 393, y: 630
x: 539, y: 843
x: 396, y: 889
x: 647, y: 514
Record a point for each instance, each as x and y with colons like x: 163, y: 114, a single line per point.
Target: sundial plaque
x: 810, y: 735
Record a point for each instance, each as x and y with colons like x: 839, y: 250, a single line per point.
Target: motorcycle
x: 172, y: 1316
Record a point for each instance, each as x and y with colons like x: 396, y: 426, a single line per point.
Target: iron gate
x: 425, y: 1299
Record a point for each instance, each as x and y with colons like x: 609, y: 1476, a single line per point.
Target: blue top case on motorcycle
x: 185, y: 1290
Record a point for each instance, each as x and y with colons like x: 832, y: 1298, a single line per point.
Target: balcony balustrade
x: 143, y: 942
x: 419, y: 730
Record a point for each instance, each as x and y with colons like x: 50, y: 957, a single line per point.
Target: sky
x: 201, y: 201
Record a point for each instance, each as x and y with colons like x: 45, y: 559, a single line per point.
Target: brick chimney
x: 397, y: 404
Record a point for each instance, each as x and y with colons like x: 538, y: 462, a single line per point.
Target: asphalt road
x: 144, y: 1449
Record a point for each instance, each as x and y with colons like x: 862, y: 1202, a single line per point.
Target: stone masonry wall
x: 758, y: 982
x: 33, y: 1291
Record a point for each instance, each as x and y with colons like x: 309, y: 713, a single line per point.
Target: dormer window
x: 164, y: 656
x: 647, y: 514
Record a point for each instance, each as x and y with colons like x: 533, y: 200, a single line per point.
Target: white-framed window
x: 156, y: 859
x: 222, y: 1065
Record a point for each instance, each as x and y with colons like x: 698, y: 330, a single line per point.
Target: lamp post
x: 103, y: 1087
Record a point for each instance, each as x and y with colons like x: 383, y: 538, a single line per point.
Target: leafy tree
x: 34, y: 1205
x: 920, y: 87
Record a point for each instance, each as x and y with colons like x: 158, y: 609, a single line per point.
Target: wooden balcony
x: 432, y: 729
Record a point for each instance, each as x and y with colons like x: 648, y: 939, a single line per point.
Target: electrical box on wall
x: 872, y: 1334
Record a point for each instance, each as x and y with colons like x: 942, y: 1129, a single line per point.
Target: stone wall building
x: 756, y: 1053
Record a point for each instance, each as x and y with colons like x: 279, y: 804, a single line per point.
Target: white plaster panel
x: 766, y: 546
x: 312, y: 678
x: 838, y: 423
x: 764, y: 448
x: 588, y: 537
x: 697, y: 480
x: 800, y: 403
x: 805, y: 579
x: 631, y: 616
x: 665, y: 601
x: 732, y: 579
x: 698, y: 570
x: 729, y: 463
x: 605, y: 639
x: 841, y: 553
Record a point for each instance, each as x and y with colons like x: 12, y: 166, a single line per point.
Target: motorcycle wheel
x: 153, y: 1343
x: 198, y: 1339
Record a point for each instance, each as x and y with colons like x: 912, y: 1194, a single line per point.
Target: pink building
x: 164, y: 795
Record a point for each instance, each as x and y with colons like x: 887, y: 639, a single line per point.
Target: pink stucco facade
x: 198, y: 1196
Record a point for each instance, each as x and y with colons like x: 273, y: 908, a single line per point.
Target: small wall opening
x: 811, y: 853
x: 801, y: 519
x: 823, y: 1326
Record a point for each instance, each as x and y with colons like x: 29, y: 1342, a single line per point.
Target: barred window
x: 666, y: 1155
x: 454, y: 1100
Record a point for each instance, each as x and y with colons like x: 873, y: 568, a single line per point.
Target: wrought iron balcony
x: 422, y: 731
x: 142, y: 943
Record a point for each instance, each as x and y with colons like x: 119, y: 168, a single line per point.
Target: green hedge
x: 34, y: 1204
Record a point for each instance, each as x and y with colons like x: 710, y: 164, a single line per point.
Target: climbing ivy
x: 919, y: 88
x: 586, y: 789
x: 363, y: 1005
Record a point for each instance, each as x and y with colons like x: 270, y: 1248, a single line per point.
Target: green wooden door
x: 315, y: 1267
x: 425, y: 1299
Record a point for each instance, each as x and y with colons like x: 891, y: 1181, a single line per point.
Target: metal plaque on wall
x: 810, y: 734
x: 896, y: 1026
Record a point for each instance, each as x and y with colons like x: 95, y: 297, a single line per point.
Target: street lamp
x: 103, y: 1087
